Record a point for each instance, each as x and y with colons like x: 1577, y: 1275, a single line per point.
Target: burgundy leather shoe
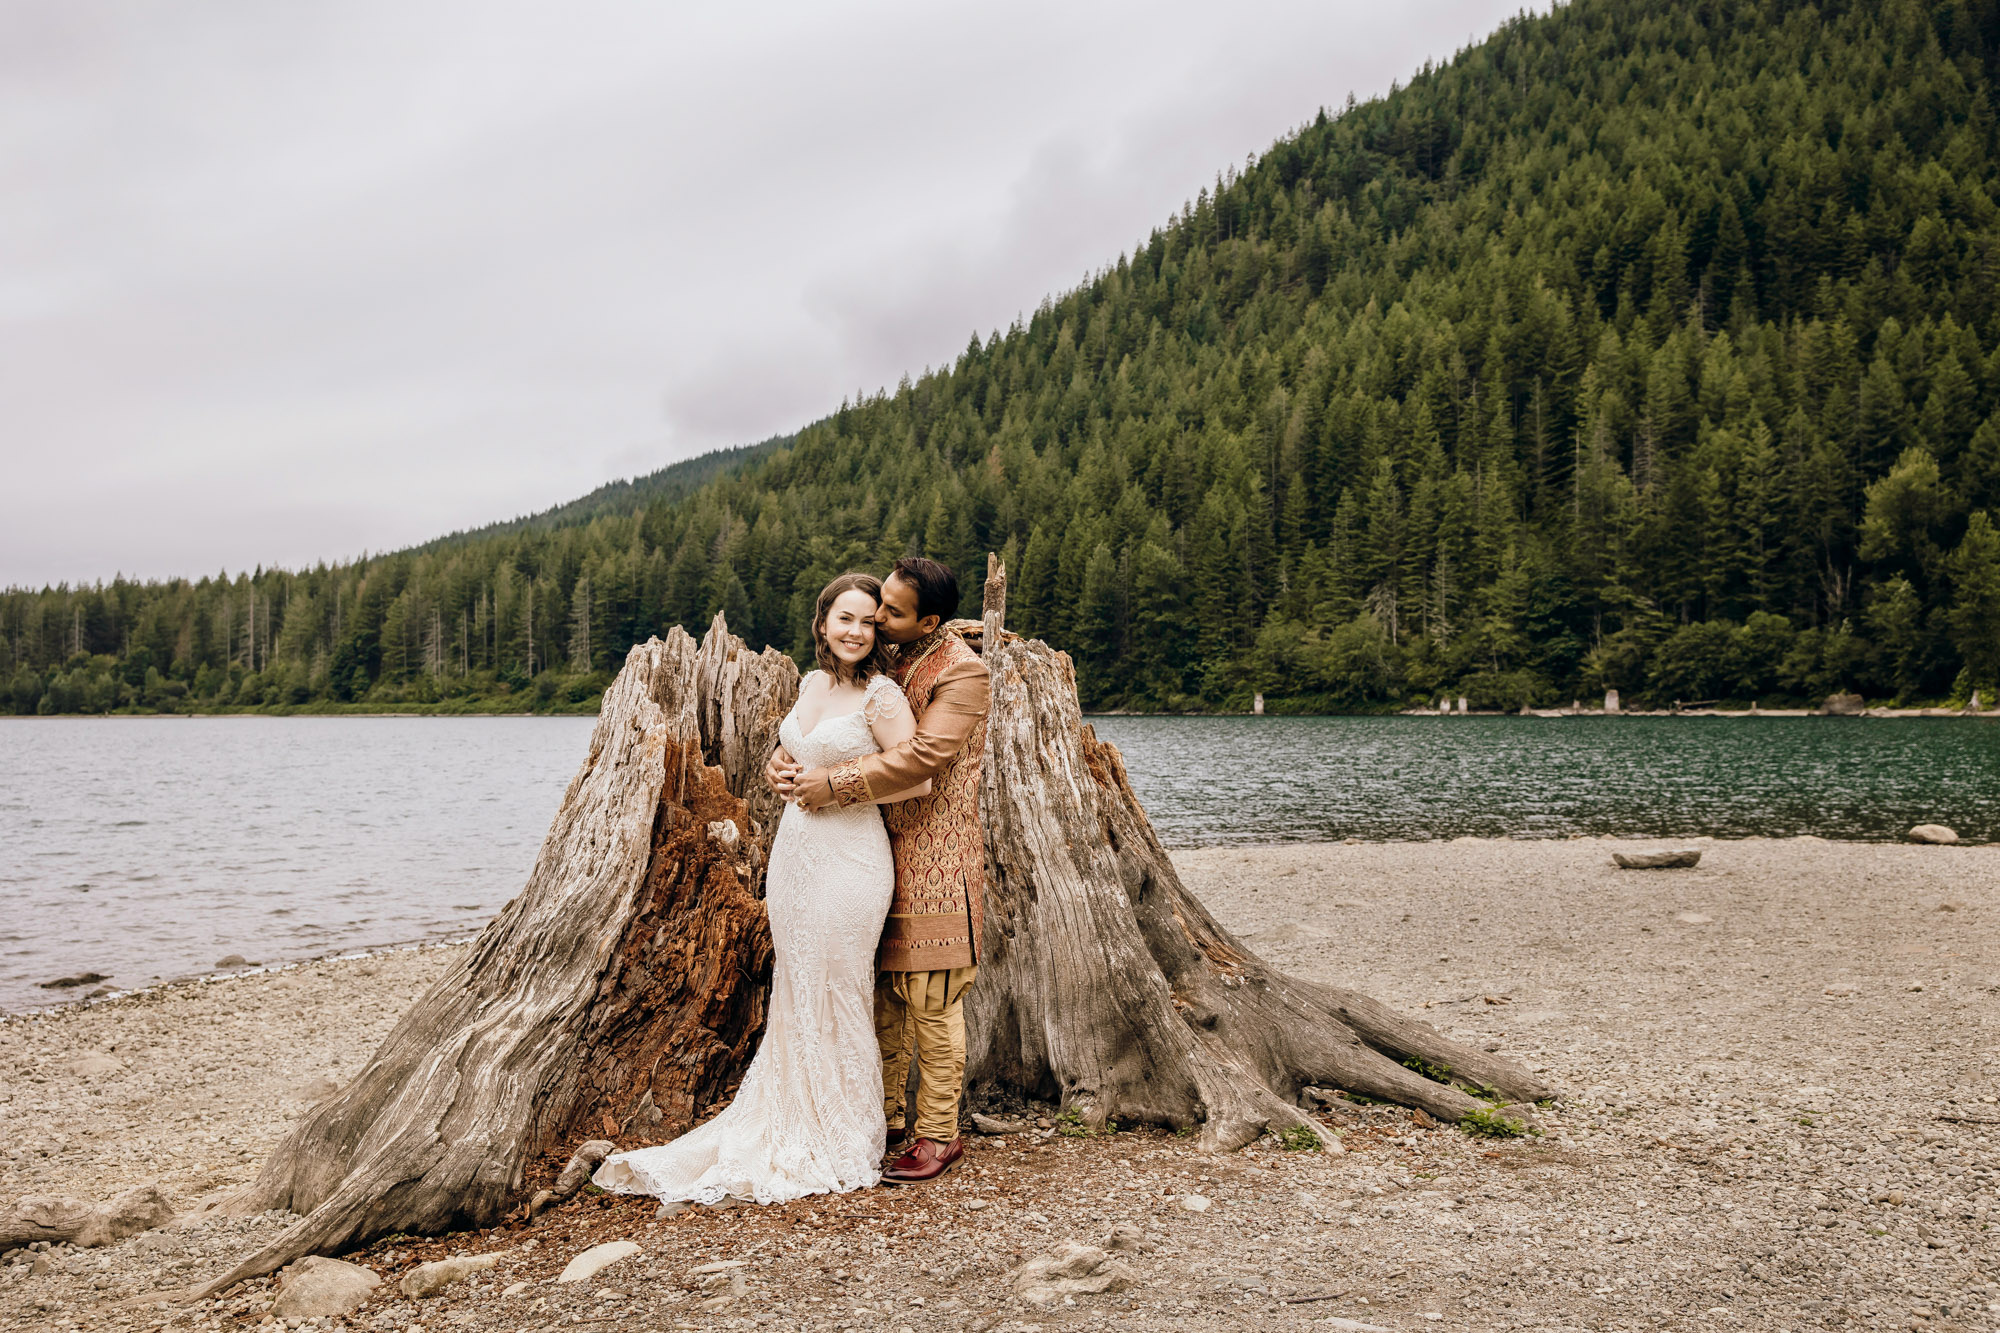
x: 927, y: 1159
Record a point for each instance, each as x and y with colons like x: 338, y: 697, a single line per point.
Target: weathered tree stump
x: 1104, y: 982
x: 620, y: 995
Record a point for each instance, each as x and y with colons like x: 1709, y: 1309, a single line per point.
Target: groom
x: 930, y: 943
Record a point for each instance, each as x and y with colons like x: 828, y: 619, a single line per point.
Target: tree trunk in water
x: 620, y: 995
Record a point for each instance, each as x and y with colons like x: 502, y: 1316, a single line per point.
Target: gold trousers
x: 923, y: 1012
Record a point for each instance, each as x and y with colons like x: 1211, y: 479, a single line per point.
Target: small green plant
x: 1435, y: 1073
x: 1071, y: 1126
x: 1806, y: 1120
x: 1186, y: 1132
x: 1487, y: 1124
x: 1299, y: 1138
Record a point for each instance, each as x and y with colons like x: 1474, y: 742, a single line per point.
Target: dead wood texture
x: 82, y: 1223
x: 1104, y: 982
x: 620, y: 995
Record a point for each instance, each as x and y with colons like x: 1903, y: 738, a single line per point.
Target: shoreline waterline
x: 143, y: 854
x: 455, y: 939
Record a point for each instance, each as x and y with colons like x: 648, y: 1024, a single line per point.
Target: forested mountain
x: 1648, y: 346
x: 669, y: 483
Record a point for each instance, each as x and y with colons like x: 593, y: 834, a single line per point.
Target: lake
x: 148, y: 849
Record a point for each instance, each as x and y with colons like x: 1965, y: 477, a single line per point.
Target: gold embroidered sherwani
x: 940, y: 853
x: 930, y: 944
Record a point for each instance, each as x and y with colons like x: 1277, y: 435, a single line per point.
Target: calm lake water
x: 150, y: 849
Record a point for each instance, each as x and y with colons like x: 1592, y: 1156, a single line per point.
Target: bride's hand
x: 780, y: 770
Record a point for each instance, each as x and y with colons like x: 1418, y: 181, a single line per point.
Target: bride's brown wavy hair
x: 877, y: 660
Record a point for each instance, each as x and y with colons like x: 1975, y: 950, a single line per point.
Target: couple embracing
x: 876, y: 868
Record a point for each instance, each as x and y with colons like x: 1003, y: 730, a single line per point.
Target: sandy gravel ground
x: 1780, y: 1073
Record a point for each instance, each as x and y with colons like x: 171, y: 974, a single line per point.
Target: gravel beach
x: 1779, y: 1073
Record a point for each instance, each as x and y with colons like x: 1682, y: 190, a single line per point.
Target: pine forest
x: 1640, y: 346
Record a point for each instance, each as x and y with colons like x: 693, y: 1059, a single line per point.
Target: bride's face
x: 850, y: 626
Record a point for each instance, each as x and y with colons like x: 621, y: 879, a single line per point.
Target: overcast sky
x: 282, y: 283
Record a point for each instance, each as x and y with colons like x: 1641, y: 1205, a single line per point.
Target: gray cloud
x: 282, y: 283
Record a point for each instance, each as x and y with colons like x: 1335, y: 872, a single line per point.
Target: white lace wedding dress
x: 807, y: 1118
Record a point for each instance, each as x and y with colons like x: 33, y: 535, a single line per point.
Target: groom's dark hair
x: 936, y: 585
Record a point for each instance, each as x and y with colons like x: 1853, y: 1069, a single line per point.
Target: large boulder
x: 1841, y: 705
x: 1932, y: 833
x: 316, y: 1286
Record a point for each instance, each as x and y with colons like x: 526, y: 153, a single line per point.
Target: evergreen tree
x: 1636, y: 347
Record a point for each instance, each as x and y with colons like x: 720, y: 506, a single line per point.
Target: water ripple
x: 1206, y: 781
x: 149, y: 849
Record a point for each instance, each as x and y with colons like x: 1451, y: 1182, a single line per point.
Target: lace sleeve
x: 884, y: 700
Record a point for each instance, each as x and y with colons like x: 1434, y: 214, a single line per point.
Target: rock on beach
x: 1073, y: 1270
x: 317, y: 1287
x: 1933, y: 833
x: 1677, y: 858
x: 596, y: 1259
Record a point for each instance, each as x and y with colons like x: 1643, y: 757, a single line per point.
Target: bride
x: 808, y: 1116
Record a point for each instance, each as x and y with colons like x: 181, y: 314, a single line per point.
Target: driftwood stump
x: 620, y: 995
x: 45, y: 1217
x: 1105, y: 983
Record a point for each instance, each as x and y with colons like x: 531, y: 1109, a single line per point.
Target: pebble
x: 1195, y: 1203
